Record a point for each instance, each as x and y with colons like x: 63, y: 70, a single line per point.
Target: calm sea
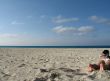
x: 54, y: 46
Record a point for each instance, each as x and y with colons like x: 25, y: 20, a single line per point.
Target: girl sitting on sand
x: 104, y: 62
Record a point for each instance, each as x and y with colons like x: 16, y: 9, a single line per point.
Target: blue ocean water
x: 54, y: 46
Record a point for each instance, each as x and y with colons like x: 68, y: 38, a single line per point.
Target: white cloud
x: 62, y: 29
x: 100, y: 20
x: 13, y: 39
x: 85, y: 29
x: 12, y: 35
x: 20, y: 40
x: 29, y: 16
x: 59, y: 19
x: 42, y: 16
x: 16, y: 23
x: 74, y: 30
x: 6, y: 35
x: 93, y: 18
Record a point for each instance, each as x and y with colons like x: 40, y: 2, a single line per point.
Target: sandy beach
x: 50, y: 64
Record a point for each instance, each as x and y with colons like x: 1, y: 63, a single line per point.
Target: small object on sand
x: 43, y: 70
x: 22, y: 65
x: 40, y: 79
x: 54, y: 75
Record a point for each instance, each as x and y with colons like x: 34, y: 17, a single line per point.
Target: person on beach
x: 103, y: 64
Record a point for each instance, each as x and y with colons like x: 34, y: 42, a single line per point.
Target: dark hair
x: 106, y: 52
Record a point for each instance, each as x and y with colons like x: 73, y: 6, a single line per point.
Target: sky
x: 54, y: 22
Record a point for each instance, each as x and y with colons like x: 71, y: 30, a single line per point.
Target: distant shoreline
x: 54, y: 46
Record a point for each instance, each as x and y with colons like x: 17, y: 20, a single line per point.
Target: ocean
x: 54, y: 46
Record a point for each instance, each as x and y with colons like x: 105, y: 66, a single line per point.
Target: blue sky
x: 54, y: 22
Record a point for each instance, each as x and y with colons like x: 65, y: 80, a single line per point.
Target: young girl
x: 104, y: 62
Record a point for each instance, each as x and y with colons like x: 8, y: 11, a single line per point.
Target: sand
x: 50, y: 64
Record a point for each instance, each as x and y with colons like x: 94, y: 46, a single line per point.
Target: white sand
x: 50, y: 64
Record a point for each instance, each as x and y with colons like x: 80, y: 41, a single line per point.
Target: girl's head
x: 106, y: 53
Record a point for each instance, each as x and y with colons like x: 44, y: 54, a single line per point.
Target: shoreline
x: 101, y: 46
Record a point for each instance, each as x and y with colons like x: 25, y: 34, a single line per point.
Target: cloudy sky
x: 54, y: 22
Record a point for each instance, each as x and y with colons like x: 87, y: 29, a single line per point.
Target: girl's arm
x: 108, y: 62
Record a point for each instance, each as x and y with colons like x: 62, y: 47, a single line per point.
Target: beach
x: 50, y: 64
